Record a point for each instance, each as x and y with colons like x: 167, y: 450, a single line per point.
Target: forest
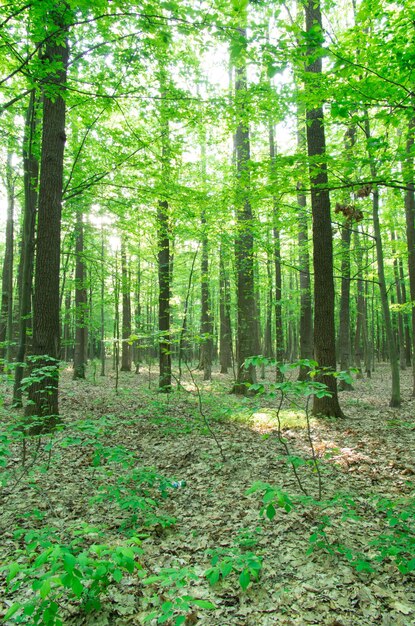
x: 207, y: 317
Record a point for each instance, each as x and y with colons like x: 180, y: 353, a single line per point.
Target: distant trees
x: 210, y: 263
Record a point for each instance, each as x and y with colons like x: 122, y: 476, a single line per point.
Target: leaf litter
x: 366, y: 457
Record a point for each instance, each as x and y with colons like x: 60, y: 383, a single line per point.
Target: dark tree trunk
x: 225, y: 334
x: 43, y: 393
x: 324, y: 329
x: 81, y: 303
x: 244, y: 240
x: 126, y: 310
x: 6, y: 311
x: 30, y: 180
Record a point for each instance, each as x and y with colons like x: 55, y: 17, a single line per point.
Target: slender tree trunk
x: 81, y: 303
x: 408, y: 171
x: 395, y: 400
x: 126, y: 310
x: 405, y: 317
x: 43, y: 392
x: 206, y: 348
x: 399, y: 315
x: 137, y: 316
x: 344, y: 327
x: 30, y: 180
x: 244, y: 240
x: 6, y: 311
x: 102, y: 354
x: 324, y: 329
x: 279, y: 332
x: 225, y: 335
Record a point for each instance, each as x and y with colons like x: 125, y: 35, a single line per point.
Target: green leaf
x: 270, y: 511
x: 45, y: 588
x: 244, y: 579
x: 204, y: 604
x: 77, y: 587
x: 69, y: 562
x: 12, y: 610
x: 117, y: 575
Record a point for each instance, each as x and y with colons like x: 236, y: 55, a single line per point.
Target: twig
x: 203, y: 415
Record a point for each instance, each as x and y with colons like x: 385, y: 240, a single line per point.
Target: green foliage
x: 170, y: 582
x: 54, y: 570
x: 225, y: 561
x: 273, y: 499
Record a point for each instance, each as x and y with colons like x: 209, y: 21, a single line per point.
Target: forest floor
x: 343, y: 560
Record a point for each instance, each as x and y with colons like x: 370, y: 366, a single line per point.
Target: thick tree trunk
x: 79, y: 360
x: 324, y: 329
x: 126, y: 310
x: 244, y: 240
x: 43, y: 392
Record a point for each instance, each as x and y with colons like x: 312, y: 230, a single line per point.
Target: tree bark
x: 225, y: 330
x: 43, y: 392
x: 324, y: 328
x: 244, y: 240
x: 344, y: 326
x: 25, y: 281
x: 395, y: 400
x: 408, y: 172
x: 6, y: 310
x: 126, y: 310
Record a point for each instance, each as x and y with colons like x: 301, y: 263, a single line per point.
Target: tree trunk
x: 126, y: 310
x: 324, y: 329
x: 279, y: 332
x: 408, y: 172
x: 81, y: 304
x: 43, y: 392
x: 6, y: 311
x: 30, y: 181
x: 244, y: 240
x: 405, y: 317
x: 344, y: 326
x: 395, y: 400
x: 399, y: 314
x: 225, y: 332
x: 102, y: 260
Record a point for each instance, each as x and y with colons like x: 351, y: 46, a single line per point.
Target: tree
x: 324, y: 329
x: 43, y: 391
x: 244, y: 237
